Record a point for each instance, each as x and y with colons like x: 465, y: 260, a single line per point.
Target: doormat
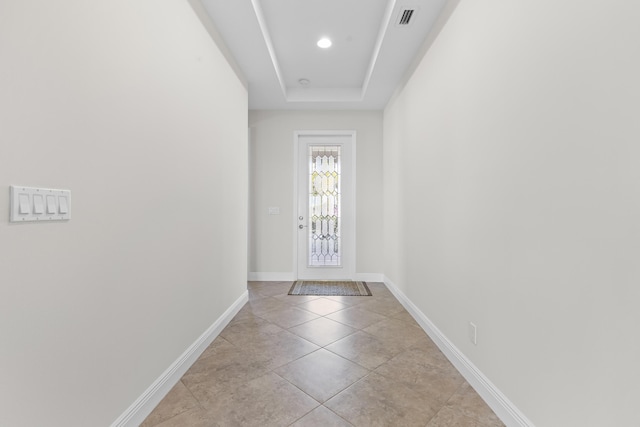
x: 330, y: 288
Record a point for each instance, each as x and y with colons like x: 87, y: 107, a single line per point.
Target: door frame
x: 349, y: 244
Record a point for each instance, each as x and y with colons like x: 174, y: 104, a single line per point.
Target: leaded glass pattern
x: 324, y: 206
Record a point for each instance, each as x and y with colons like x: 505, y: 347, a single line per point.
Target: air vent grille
x: 405, y: 16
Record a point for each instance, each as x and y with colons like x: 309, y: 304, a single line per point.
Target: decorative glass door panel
x: 324, y: 206
x: 325, y: 211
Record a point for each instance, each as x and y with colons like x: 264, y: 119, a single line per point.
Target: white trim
x: 258, y: 276
x: 268, y: 276
x: 352, y: 217
x: 369, y: 277
x: 296, y: 172
x: 386, y: 23
x: 257, y: 8
x: 498, y: 402
x: 142, y: 407
x: 205, y: 19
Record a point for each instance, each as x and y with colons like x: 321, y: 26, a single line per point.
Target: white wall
x: 272, y: 176
x: 511, y: 186
x: 131, y: 106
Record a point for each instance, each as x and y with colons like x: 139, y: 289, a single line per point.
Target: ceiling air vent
x: 404, y: 17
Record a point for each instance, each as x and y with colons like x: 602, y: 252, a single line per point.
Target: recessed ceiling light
x: 324, y: 43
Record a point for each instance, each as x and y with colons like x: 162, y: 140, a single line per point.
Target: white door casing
x: 321, y: 254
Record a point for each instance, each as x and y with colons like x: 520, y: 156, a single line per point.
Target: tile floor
x: 322, y: 361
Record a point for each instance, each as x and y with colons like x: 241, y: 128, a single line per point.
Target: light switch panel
x: 39, y: 204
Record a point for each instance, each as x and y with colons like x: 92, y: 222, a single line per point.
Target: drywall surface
x: 272, y: 179
x: 511, y: 201
x: 131, y: 106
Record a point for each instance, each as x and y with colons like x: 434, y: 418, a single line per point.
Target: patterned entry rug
x: 329, y: 288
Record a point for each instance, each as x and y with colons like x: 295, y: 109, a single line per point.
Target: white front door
x: 325, y: 220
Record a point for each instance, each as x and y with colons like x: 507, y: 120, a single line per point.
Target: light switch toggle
x: 51, y: 205
x: 63, y: 206
x: 23, y: 201
x: 38, y: 204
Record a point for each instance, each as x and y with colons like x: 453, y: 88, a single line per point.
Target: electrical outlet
x: 473, y: 333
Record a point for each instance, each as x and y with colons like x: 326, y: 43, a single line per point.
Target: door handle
x: 301, y: 226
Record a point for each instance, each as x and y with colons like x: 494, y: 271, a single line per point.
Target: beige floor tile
x: 410, y: 368
x: 322, y: 331
x: 245, y: 313
x: 321, y: 417
x: 469, y: 403
x: 364, y: 349
x: 219, y: 345
x: 449, y: 417
x: 426, y: 345
x: 273, y: 288
x: 177, y: 401
x: 405, y: 317
x: 247, y: 329
x: 262, y: 305
x: 379, y: 401
x: 213, y: 376
x: 289, y: 317
x: 262, y: 402
x: 427, y: 354
x: 295, y: 299
x: 385, y: 306
x: 321, y: 374
x: 254, y: 295
x: 356, y: 317
x: 379, y: 290
x: 396, y: 333
x: 350, y: 300
x: 196, y: 417
x: 275, y: 350
x: 222, y: 355
x: 322, y: 306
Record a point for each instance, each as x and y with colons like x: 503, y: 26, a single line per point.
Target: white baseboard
x: 143, y: 406
x: 498, y: 402
x: 369, y: 277
x: 290, y: 277
x: 271, y: 277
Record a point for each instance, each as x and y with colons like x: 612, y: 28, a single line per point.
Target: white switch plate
x: 473, y: 333
x: 274, y: 211
x: 39, y: 204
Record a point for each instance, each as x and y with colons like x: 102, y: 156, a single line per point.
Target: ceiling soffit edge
x: 257, y: 8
